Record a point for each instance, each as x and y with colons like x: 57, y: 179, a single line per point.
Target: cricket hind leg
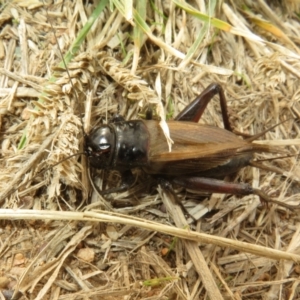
x: 193, y: 112
x: 220, y: 186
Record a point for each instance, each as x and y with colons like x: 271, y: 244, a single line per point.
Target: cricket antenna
x: 2, y: 197
x: 15, y: 185
x: 66, y: 68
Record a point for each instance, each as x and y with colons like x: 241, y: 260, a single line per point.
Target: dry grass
x: 59, y: 238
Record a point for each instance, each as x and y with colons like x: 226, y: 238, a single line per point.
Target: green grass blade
x: 138, y: 34
x: 83, y: 33
x: 203, y: 32
x: 203, y: 17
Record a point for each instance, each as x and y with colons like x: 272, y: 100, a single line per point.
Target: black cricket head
x: 99, y: 146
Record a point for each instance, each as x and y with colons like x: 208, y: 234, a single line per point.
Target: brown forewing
x: 198, y: 149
